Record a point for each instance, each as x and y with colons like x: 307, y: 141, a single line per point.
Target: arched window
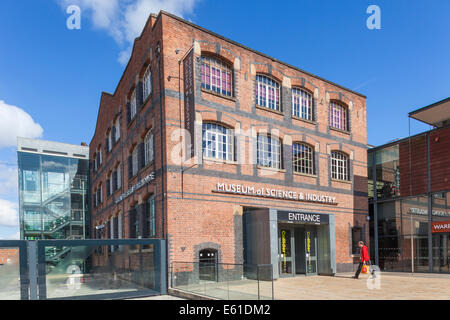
x: 339, y: 166
x: 218, y: 142
x: 267, y: 92
x: 147, y: 83
x: 302, y: 104
x: 268, y: 151
x: 303, y: 158
x: 148, y: 148
x: 216, y: 76
x: 133, y: 104
x: 338, y: 116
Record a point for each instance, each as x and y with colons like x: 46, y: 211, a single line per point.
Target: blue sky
x: 54, y: 76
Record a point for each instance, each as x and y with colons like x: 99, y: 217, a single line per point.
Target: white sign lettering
x: 273, y: 193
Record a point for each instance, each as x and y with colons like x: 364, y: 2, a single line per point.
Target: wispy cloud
x: 15, y: 122
x: 124, y: 19
x: 8, y: 213
x: 363, y: 84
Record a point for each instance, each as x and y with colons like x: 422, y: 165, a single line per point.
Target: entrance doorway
x: 208, y: 264
x: 441, y: 252
x: 297, y: 250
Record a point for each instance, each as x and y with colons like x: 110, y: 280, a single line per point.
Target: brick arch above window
x: 267, y: 70
x: 209, y: 48
x: 340, y: 148
x: 211, y: 116
x: 306, y: 139
x: 274, y: 133
x: 339, y: 97
x: 302, y: 84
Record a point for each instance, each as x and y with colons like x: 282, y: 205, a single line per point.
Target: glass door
x: 311, y: 251
x: 285, y: 249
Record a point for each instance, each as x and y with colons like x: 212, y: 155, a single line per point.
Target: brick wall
x: 194, y: 217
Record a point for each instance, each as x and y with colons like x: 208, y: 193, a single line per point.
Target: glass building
x: 409, y: 197
x: 53, y: 190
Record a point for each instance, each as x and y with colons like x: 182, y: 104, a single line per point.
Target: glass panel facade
x: 53, y: 195
x: 406, y: 239
x: 388, y: 172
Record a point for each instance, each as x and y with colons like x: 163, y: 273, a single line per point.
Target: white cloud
x: 15, y: 122
x: 125, y: 19
x: 8, y: 180
x: 9, y: 216
x: 14, y: 236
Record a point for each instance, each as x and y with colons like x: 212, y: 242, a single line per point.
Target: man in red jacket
x: 365, y: 258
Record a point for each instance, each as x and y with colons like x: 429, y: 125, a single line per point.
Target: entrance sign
x: 249, y: 190
x: 303, y: 217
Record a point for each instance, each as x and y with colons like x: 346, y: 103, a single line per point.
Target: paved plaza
x: 393, y: 286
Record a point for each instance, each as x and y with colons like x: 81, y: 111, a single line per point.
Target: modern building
x: 409, y: 196
x: 53, y: 190
x: 231, y: 155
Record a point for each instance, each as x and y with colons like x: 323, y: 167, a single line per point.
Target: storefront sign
x: 249, y: 190
x: 440, y: 226
x: 302, y: 217
x: 189, y: 108
x: 424, y: 212
x: 137, y: 186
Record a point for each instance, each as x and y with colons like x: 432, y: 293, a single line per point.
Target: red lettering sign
x: 440, y: 226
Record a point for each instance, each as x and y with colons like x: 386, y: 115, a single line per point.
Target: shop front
x: 298, y: 242
x: 295, y: 243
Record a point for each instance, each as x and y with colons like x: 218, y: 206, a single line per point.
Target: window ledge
x: 131, y: 121
x: 305, y: 120
x: 220, y: 161
x: 342, y: 181
x: 271, y: 169
x: 339, y: 130
x: 231, y: 98
x: 147, y: 166
x: 145, y: 101
x: 270, y: 110
x: 305, y: 174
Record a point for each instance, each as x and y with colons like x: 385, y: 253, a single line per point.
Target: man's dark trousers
x: 360, y: 267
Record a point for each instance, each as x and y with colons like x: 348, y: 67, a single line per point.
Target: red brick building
x: 229, y: 153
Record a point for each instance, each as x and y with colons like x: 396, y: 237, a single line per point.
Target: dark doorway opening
x: 208, y: 264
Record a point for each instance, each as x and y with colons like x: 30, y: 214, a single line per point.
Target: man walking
x: 365, y: 258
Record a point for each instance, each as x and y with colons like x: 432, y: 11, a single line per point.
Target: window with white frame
x: 148, y: 148
x: 338, y: 116
x: 133, y: 104
x: 95, y: 162
x: 119, y: 176
x: 134, y: 161
x: 302, y: 104
x: 216, y: 76
x: 152, y: 217
x: 117, y: 125
x: 110, y: 185
x: 147, y: 85
x: 303, y: 158
x: 267, y: 92
x: 268, y: 151
x: 217, y: 141
x: 339, y: 166
x: 109, y: 140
